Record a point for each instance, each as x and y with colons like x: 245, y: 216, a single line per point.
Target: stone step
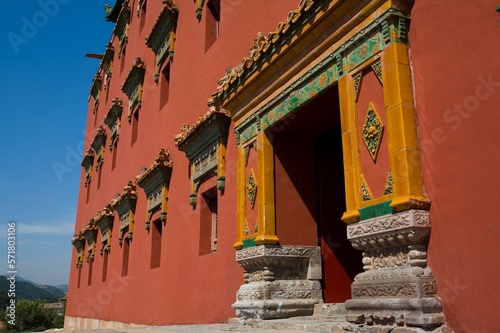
x: 330, y: 310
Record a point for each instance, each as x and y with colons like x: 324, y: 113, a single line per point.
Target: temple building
x: 258, y: 159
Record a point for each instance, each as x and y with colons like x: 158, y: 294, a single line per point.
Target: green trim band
x: 375, y: 210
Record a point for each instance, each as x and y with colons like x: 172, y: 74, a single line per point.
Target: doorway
x: 310, y: 193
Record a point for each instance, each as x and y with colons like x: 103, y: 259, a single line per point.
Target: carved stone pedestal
x: 397, y: 286
x: 280, y: 281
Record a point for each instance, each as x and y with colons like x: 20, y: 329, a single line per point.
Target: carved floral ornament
x: 261, y: 46
x: 155, y: 181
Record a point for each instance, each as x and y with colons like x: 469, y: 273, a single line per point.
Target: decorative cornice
x: 188, y: 132
x: 113, y: 12
x: 162, y: 160
x: 132, y: 86
x: 88, y: 158
x: 169, y: 8
x: 129, y: 192
x: 261, y: 45
x: 138, y: 67
x: 114, y: 113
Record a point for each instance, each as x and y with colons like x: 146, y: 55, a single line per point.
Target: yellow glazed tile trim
x: 265, y: 200
x: 240, y: 198
x: 402, y: 132
x: 349, y: 147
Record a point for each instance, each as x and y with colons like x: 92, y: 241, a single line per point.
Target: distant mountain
x: 63, y: 287
x: 29, y: 290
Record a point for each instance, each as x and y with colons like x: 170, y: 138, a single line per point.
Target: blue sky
x: 44, y: 87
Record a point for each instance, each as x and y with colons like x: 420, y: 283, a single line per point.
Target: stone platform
x: 326, y: 318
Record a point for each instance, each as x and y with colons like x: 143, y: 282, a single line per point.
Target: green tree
x: 33, y: 316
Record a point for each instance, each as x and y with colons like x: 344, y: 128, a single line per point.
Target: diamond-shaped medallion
x: 372, y: 131
x: 251, y: 188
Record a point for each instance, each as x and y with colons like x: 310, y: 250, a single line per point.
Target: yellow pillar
x: 352, y: 171
x: 402, y: 130
x: 164, y: 199
x: 265, y: 192
x: 240, y: 198
x: 221, y: 159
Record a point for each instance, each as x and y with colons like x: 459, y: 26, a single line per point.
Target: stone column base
x: 397, y: 286
x: 280, y: 281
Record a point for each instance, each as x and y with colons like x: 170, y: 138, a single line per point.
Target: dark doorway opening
x: 310, y: 192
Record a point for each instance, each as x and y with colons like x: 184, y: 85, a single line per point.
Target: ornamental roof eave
x: 162, y: 162
x: 104, y: 219
x: 88, y: 158
x: 121, y: 21
x: 188, y: 132
x: 169, y: 14
x: 114, y: 113
x: 135, y: 74
x: 112, y: 13
x: 261, y: 48
x: 99, y: 138
x: 126, y: 199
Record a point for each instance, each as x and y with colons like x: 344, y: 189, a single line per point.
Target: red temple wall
x: 187, y: 287
x: 454, y: 51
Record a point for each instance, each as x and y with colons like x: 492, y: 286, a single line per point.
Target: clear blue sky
x: 44, y: 87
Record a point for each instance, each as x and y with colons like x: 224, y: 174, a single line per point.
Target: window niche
x: 199, y: 8
x: 78, y: 242
x: 98, y: 145
x: 104, y: 220
x: 107, y: 63
x: 133, y: 86
x: 141, y: 12
x: 90, y: 234
x: 112, y: 120
x: 124, y: 204
x: 95, y: 91
x: 205, y: 146
x: 122, y: 27
x: 212, y: 23
x: 155, y: 182
x: 161, y: 39
x: 87, y: 164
